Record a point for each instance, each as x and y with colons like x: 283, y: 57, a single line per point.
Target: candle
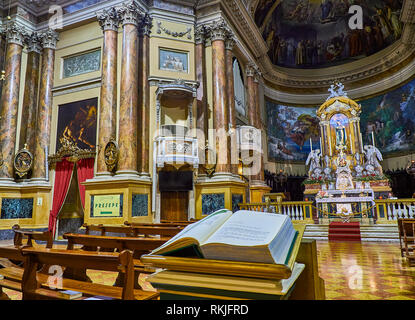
x: 311, y: 145
x: 361, y: 143
x: 351, y: 144
x: 373, y: 139
x: 321, y: 145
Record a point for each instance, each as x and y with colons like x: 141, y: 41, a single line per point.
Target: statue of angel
x: 313, y: 160
x: 373, y: 156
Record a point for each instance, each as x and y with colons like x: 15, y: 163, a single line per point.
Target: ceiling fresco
x: 309, y: 34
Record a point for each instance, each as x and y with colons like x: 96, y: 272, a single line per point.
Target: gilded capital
x: 251, y: 69
x: 108, y: 19
x: 34, y: 42
x: 50, y: 39
x: 16, y: 34
x: 130, y: 13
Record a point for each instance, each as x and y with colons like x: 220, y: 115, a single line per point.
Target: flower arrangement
x: 318, y: 180
x: 372, y: 177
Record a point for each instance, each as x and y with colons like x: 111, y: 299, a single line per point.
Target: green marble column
x: 29, y: 110
x: 130, y: 16
x: 10, y: 100
x: 44, y: 112
x: 109, y: 21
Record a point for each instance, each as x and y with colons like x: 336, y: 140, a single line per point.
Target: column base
x: 34, y: 200
x: 218, y: 193
x: 257, y: 190
x: 127, y: 197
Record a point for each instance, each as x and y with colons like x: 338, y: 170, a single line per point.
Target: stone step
x: 367, y: 232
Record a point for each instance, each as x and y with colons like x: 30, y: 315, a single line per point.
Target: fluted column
x: 128, y: 123
x: 202, y: 116
x: 144, y: 95
x: 229, y: 43
x: 44, y: 113
x: 220, y: 100
x: 109, y: 21
x: 29, y: 110
x: 10, y: 99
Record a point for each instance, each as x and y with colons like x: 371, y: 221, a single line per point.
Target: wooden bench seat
x: 34, y: 287
x: 134, y: 231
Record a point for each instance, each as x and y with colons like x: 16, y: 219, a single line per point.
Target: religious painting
x: 77, y: 122
x: 292, y: 131
x: 173, y: 60
x: 389, y: 119
x: 316, y: 34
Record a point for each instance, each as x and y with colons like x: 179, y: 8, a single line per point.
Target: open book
x: 248, y: 236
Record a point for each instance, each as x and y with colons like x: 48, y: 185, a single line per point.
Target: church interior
x: 125, y: 122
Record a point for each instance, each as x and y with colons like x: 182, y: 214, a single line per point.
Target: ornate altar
x: 344, y: 166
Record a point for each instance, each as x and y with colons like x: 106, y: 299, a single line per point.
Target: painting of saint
x: 290, y: 130
x: 77, y: 122
x: 391, y: 118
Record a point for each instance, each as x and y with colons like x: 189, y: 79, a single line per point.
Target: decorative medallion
x: 111, y: 155
x: 23, y: 162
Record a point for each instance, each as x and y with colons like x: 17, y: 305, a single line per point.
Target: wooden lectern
x: 196, y: 278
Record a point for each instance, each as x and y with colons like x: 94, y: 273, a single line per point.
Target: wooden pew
x: 134, y: 231
x: 13, y: 271
x: 20, y: 235
x: 138, y: 245
x: 408, y: 231
x: 181, y: 224
x: 408, y: 228
x: 34, y: 285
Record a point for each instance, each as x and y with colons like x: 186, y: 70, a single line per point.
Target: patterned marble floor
x: 351, y: 271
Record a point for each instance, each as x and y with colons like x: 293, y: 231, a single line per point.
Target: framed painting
x: 77, y: 122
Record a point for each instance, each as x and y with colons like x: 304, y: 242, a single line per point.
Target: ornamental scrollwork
x: 23, y: 162
x: 174, y: 33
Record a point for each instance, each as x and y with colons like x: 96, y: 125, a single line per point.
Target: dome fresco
x: 309, y: 34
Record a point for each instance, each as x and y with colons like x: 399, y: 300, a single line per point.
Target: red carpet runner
x: 347, y: 231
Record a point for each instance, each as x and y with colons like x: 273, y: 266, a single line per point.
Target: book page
x: 200, y: 230
x: 248, y: 228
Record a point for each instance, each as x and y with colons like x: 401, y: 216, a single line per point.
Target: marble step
x: 368, y: 233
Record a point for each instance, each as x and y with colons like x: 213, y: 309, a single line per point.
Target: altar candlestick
x: 351, y: 144
x: 373, y: 139
x: 311, y: 145
x: 361, y: 143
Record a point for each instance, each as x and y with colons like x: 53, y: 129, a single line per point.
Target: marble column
x: 220, y: 100
x: 144, y: 96
x: 252, y: 116
x: 109, y: 21
x: 29, y: 110
x: 229, y: 43
x: 3, y: 43
x: 130, y: 16
x: 44, y: 112
x: 202, y: 115
x: 10, y: 99
x: 258, y: 124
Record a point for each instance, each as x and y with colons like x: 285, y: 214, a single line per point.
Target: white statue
x: 358, y: 168
x: 373, y: 156
x: 313, y: 160
x: 327, y: 169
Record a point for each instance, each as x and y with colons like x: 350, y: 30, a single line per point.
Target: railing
x: 296, y: 210
x: 389, y: 210
x: 177, y: 149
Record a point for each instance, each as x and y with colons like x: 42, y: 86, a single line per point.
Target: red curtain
x: 85, y: 170
x: 63, y: 176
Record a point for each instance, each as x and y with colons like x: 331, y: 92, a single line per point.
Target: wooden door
x: 174, y: 205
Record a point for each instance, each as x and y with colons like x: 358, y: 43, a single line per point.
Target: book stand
x: 197, y: 278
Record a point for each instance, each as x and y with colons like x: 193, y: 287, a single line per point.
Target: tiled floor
x: 351, y: 271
